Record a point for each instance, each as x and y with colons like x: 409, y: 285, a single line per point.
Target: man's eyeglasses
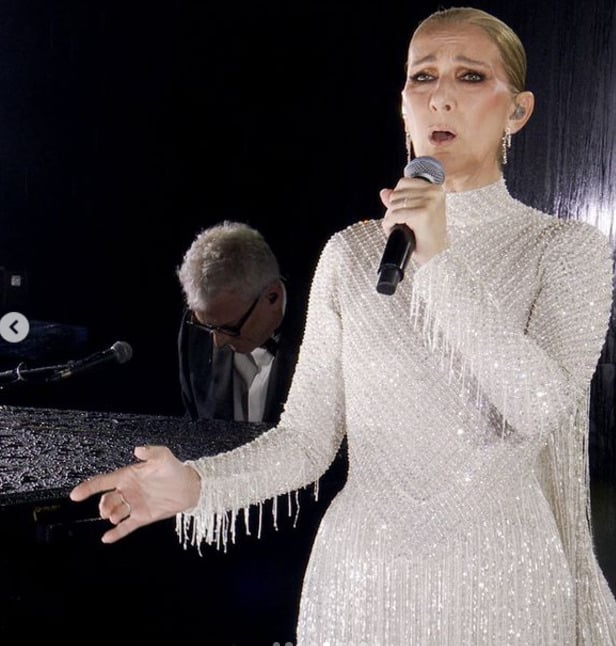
x: 228, y: 330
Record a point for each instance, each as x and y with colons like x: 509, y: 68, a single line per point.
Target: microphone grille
x: 123, y: 351
x: 427, y: 168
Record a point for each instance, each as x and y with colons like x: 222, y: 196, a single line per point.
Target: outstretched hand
x: 157, y: 487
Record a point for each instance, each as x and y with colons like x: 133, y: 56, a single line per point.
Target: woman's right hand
x: 156, y: 487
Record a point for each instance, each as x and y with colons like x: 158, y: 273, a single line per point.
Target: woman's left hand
x: 420, y: 205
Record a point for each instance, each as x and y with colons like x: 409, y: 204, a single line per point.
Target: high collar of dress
x: 478, y: 206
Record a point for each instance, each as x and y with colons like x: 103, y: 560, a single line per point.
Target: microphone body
x: 401, y: 240
x: 120, y: 352
x: 399, y: 247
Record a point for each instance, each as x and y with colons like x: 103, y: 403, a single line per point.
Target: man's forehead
x: 223, y: 302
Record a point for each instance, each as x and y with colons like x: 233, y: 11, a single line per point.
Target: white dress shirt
x: 250, y: 390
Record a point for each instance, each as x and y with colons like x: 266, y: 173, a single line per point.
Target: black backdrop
x: 126, y: 127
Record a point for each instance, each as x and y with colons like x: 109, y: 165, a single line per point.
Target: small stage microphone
x: 120, y: 352
x: 401, y: 240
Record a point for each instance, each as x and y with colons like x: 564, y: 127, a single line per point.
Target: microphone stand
x: 22, y: 374
x: 120, y: 352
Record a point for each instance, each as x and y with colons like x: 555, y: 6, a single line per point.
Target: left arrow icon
x: 14, y: 327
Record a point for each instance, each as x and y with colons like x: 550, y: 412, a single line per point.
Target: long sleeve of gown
x: 534, y: 371
x: 535, y: 374
x: 298, y: 450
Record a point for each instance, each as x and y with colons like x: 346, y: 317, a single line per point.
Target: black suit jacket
x: 206, y: 372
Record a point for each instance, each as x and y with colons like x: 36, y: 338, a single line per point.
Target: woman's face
x: 456, y: 102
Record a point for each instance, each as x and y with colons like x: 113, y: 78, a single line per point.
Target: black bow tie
x: 271, y: 345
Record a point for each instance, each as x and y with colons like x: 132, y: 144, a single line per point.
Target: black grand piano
x: 57, y: 580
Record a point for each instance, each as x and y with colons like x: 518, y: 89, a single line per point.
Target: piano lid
x: 45, y: 452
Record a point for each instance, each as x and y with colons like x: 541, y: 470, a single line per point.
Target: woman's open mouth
x: 441, y: 136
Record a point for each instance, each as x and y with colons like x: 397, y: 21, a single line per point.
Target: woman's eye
x: 421, y: 77
x: 472, y: 77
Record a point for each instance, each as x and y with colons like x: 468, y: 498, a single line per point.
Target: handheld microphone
x: 401, y: 240
x: 120, y: 352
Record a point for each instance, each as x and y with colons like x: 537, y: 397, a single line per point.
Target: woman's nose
x: 442, y: 98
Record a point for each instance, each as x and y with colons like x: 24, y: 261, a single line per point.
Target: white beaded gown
x: 464, y: 399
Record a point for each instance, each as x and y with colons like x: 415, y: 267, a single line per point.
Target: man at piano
x: 240, y: 332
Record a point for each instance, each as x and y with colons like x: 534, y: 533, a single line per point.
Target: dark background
x: 126, y: 127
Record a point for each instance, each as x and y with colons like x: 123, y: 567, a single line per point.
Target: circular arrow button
x: 14, y: 327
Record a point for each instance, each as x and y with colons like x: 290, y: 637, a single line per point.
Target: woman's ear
x: 524, y: 105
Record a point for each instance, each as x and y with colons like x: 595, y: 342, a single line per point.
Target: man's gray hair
x: 230, y: 256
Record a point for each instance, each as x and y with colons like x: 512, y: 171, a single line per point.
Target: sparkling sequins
x: 464, y: 400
